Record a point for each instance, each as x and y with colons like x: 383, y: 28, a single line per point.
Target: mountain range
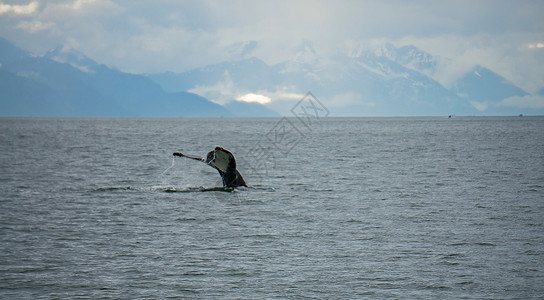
x: 67, y: 83
x: 383, y: 81
x: 386, y: 81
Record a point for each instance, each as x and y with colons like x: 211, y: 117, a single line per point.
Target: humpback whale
x: 224, y: 162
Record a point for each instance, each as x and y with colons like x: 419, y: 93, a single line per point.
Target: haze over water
x: 346, y: 208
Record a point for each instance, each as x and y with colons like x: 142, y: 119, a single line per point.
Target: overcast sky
x: 163, y: 35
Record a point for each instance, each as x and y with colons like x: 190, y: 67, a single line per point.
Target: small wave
x: 473, y: 243
x: 114, y: 188
x: 319, y: 189
x: 465, y: 282
x: 173, y: 189
x: 484, y: 244
x: 260, y: 187
x: 356, y: 221
x: 170, y: 189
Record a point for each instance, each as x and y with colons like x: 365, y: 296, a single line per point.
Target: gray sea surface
x: 341, y: 208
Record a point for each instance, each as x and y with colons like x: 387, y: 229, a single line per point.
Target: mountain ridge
x: 70, y: 84
x: 364, y: 81
x: 382, y: 81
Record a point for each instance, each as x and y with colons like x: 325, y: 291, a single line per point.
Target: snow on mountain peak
x: 306, y: 54
x: 73, y: 57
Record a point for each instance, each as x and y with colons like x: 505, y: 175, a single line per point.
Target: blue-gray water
x: 425, y: 208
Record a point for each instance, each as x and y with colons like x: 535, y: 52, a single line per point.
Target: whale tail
x: 224, y: 162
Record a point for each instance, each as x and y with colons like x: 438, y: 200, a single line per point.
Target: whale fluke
x: 224, y: 162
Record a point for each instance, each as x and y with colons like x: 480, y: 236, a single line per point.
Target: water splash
x: 170, y: 167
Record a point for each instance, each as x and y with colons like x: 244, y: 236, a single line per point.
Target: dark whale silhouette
x: 224, y: 162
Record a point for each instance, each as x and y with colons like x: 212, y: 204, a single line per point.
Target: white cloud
x: 225, y: 91
x: 529, y: 101
x: 507, y: 54
x: 256, y: 98
x: 284, y: 94
x: 481, y: 106
x: 222, y: 92
x: 35, y: 26
x: 79, y: 4
x: 26, y: 9
x: 85, y: 6
x: 535, y: 46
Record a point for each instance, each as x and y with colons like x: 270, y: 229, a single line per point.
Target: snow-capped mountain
x: 383, y: 80
x: 366, y: 81
x: 369, y: 83
x: 72, y: 57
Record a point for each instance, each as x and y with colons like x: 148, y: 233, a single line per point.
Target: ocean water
x: 362, y: 208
